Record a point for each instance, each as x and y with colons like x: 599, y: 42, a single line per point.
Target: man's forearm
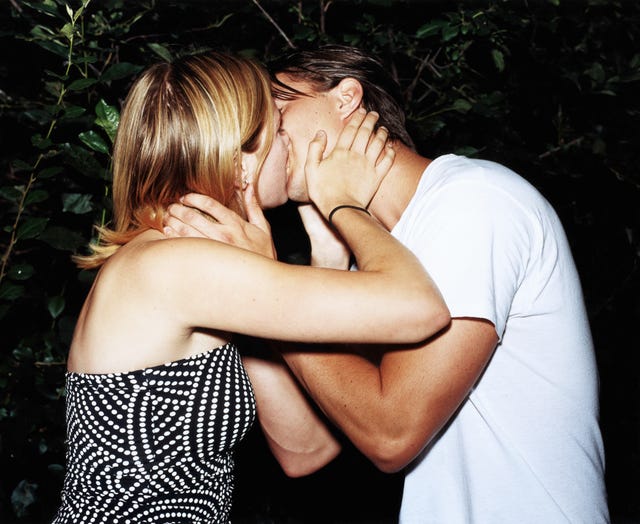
x: 348, y: 389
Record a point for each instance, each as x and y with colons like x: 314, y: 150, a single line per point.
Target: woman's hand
x: 353, y: 171
x: 202, y: 216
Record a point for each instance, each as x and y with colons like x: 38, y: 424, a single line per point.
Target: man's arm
x: 392, y: 411
x: 294, y: 431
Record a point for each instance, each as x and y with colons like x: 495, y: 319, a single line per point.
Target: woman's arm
x: 297, y: 437
x: 391, y: 299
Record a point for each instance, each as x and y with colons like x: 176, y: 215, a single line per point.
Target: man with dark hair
x: 495, y: 419
x: 327, y: 66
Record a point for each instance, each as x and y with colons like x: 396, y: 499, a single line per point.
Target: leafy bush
x: 548, y: 88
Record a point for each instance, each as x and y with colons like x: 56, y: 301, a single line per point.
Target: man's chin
x: 296, y: 195
x: 297, y: 190
x: 275, y: 203
x: 299, y: 200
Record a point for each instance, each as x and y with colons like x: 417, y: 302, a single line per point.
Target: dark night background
x: 549, y: 88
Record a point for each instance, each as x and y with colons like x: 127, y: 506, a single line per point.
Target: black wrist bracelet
x: 343, y: 206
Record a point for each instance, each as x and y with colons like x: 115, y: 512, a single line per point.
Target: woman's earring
x: 245, y: 183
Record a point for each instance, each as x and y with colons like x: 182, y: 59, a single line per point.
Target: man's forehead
x: 286, y: 87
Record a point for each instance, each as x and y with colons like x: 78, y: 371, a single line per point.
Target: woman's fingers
x: 364, y: 133
x: 254, y: 212
x: 377, y: 145
x: 351, y: 130
x: 385, y: 161
x: 315, y: 150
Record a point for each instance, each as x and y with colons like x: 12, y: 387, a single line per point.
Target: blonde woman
x: 157, y: 397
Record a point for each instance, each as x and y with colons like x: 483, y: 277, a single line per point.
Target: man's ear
x: 348, y: 94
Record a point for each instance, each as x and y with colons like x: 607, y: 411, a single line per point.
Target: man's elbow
x: 392, y: 455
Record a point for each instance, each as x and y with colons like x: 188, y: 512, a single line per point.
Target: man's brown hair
x: 324, y: 68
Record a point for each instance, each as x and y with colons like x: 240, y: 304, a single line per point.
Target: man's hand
x: 327, y: 247
x: 202, y: 216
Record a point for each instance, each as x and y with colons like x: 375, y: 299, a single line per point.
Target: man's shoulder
x: 477, y: 177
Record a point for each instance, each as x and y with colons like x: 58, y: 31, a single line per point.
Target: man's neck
x: 399, y: 186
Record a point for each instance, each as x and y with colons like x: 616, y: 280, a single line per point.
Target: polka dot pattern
x: 156, y: 445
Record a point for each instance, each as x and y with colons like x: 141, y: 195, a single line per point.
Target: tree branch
x: 275, y: 24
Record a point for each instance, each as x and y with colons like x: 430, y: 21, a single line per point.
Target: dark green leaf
x: 55, y: 306
x: 40, y: 142
x: 87, y: 59
x: 22, y: 353
x: 67, y: 30
x: 599, y: 147
x: 108, y: 118
x: 37, y: 115
x: 57, y: 76
x: 596, y: 72
x: 54, y: 47
x: 72, y: 112
x: 48, y: 8
x: 449, y: 32
x: 31, y: 227
x: 62, y: 239
x: 161, y: 51
x: 80, y: 84
x: 461, y: 105
x: 36, y: 195
x: 76, y: 203
x: 498, y: 59
x: 10, y: 291
x: 466, y: 151
x: 120, y: 70
x: 21, y: 165
x: 54, y: 88
x: 430, y: 29
x: 56, y: 469
x: 20, y: 271
x: 94, y: 141
x: 83, y: 161
x: 11, y: 193
x: 41, y: 31
x: 49, y: 172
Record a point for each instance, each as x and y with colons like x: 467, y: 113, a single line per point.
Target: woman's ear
x: 247, y: 169
x: 348, y: 95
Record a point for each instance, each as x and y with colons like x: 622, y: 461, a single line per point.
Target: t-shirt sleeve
x: 474, y: 240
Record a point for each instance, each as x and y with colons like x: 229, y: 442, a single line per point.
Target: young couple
x: 485, y: 388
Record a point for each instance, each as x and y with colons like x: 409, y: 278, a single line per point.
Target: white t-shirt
x: 525, y: 446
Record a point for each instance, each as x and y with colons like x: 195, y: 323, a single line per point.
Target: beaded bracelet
x: 343, y: 206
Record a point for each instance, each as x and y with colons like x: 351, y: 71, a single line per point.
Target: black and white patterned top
x: 156, y: 445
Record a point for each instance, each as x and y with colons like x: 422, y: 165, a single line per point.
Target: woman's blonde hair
x: 183, y: 128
